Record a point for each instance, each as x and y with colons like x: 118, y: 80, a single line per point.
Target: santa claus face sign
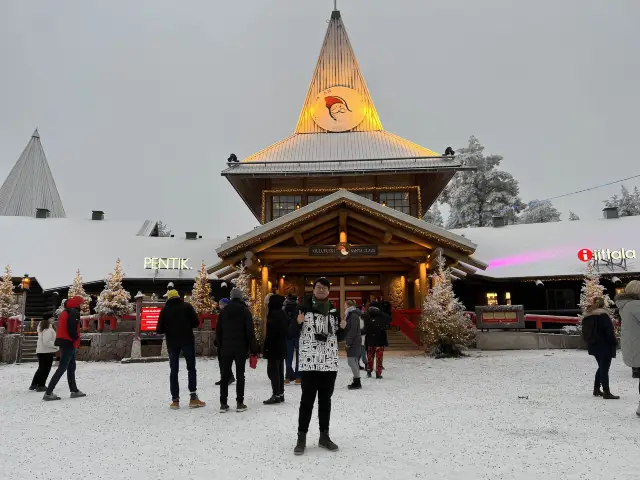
x: 338, y: 109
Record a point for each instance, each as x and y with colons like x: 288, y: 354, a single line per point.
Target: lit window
x: 619, y: 290
x: 397, y: 200
x: 283, y: 204
x: 507, y: 298
x: 492, y: 299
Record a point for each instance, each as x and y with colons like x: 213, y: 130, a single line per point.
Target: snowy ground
x: 442, y: 419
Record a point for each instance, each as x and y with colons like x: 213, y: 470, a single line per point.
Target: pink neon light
x: 531, y: 257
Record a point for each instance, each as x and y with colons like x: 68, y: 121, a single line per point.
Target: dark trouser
x: 45, y: 360
x: 376, y: 353
x: 189, y: 352
x: 67, y: 364
x: 293, y: 344
x: 220, y: 366
x: 275, y: 370
x: 321, y: 383
x: 227, y: 362
x: 602, y: 374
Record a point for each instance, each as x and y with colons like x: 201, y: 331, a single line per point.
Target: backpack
x: 589, y: 329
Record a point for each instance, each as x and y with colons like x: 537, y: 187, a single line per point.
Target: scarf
x: 323, y: 306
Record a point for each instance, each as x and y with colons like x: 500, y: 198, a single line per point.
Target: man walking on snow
x: 177, y: 321
x: 319, y: 331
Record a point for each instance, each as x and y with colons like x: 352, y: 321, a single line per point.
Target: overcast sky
x: 140, y: 102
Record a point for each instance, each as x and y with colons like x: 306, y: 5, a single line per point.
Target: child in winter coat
x: 46, y: 351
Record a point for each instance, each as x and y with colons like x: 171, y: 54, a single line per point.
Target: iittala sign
x: 607, y: 254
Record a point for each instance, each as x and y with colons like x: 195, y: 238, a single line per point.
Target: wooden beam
x: 387, y: 237
x: 321, y: 228
x: 337, y: 269
x: 298, y: 238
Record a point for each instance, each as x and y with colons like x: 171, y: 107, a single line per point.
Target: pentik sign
x: 607, y: 254
x: 166, y: 263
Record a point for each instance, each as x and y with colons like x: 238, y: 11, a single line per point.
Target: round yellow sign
x: 338, y: 109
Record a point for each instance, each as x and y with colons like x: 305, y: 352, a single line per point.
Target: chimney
x: 228, y: 239
x: 610, y: 212
x: 192, y: 235
x: 498, y: 221
x: 97, y: 215
x: 42, y: 213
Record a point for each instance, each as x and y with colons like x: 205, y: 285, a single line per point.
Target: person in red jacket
x: 68, y: 339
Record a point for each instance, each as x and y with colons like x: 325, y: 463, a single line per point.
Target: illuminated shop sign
x: 166, y: 263
x: 605, y: 254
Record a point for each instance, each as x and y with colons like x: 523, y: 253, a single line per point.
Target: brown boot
x: 610, y: 396
x: 195, y: 402
x: 175, y: 405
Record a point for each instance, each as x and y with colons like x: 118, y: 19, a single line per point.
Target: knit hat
x: 172, y: 294
x: 224, y: 301
x: 236, y: 294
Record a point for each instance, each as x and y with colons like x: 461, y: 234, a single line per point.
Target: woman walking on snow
x: 353, y: 341
x: 275, y: 347
x: 598, y: 330
x: 629, y: 307
x: 46, y: 350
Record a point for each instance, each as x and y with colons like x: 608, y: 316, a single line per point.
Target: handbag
x: 253, y: 361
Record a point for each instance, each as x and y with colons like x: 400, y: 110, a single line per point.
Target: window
x: 619, y: 290
x: 334, y: 281
x: 362, y: 280
x: 283, y: 204
x: 492, y: 299
x: 561, y: 299
x: 314, y: 198
x: 397, y: 200
x: 507, y: 298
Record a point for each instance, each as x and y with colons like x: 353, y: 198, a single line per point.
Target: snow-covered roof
x: 53, y: 249
x: 551, y: 249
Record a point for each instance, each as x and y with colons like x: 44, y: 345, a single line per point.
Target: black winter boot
x: 272, y: 401
x: 325, y: 442
x: 610, y: 396
x: 356, y: 385
x: 301, y: 446
x: 597, y: 392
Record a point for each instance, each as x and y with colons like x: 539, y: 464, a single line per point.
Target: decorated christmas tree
x: 591, y: 289
x: 114, y: 299
x: 243, y: 283
x: 77, y: 290
x: 201, y: 294
x: 444, y: 329
x: 8, y: 305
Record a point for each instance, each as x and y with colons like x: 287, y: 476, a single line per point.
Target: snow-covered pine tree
x: 433, y: 216
x: 475, y: 196
x: 114, y: 300
x: 573, y: 216
x: 628, y: 204
x: 163, y: 230
x: 8, y: 305
x: 444, y: 329
x: 77, y: 290
x: 201, y: 293
x: 591, y: 288
x: 243, y: 283
x: 540, y: 211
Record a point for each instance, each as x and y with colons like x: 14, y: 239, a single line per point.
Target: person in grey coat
x: 353, y: 342
x: 629, y: 308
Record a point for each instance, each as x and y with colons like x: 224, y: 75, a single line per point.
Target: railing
x: 407, y: 322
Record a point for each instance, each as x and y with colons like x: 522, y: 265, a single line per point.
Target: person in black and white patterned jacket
x: 319, y: 329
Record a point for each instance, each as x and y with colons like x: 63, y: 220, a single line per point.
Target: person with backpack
x: 629, y: 308
x: 599, y: 334
x: 353, y: 342
x: 376, y: 325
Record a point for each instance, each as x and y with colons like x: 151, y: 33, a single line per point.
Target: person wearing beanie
x: 221, y: 304
x: 177, y: 321
x: 376, y: 324
x: 236, y: 338
x: 319, y: 331
x: 275, y: 347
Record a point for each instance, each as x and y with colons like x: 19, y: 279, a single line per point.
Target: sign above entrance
x: 166, y: 263
x: 343, y: 250
x: 338, y: 109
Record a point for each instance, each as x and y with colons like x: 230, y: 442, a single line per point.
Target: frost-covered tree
x: 573, y: 216
x: 628, y: 203
x: 433, y: 216
x: 201, y: 294
x: 163, y: 230
x: 114, y: 300
x: 77, y: 290
x: 539, y: 211
x: 475, y: 196
x: 445, y: 330
x: 8, y: 305
x: 591, y: 289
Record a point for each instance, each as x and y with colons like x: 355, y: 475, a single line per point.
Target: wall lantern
x: 25, y: 284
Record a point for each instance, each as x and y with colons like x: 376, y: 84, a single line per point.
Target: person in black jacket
x: 275, y: 347
x: 177, y: 321
x: 293, y: 342
x: 221, y: 304
x: 376, y: 323
x: 236, y: 338
x: 602, y: 344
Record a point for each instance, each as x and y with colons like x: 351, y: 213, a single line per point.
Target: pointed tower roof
x: 337, y: 66
x: 30, y: 185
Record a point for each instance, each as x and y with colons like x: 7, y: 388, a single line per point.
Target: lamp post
x: 25, y: 284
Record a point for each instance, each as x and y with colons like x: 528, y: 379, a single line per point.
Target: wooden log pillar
x: 264, y: 291
x: 405, y: 292
x: 416, y: 294
x: 424, y: 285
x: 281, y: 286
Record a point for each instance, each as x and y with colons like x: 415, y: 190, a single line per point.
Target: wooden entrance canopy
x: 395, y: 243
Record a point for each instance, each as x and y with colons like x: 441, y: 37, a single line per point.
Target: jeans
x: 378, y: 354
x: 67, y: 364
x: 322, y: 384
x: 227, y: 363
x: 189, y: 352
x: 293, y: 344
x: 602, y: 374
x: 45, y: 360
x: 275, y: 370
x: 354, y: 364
